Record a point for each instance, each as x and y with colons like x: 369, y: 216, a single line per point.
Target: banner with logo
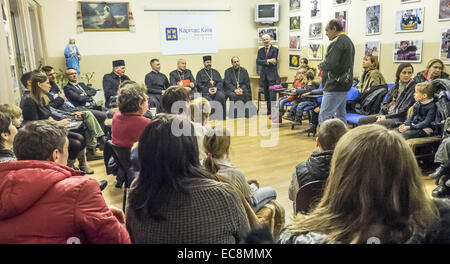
x: 188, y: 33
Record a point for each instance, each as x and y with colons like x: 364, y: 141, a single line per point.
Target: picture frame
x: 340, y: 2
x: 444, y: 10
x: 407, y: 51
x: 294, y: 61
x: 373, y: 20
x: 409, y: 20
x: 294, y: 5
x: 342, y: 16
x: 444, y: 54
x: 372, y: 48
x: 315, y: 51
x: 294, y: 23
x: 294, y: 42
x: 272, y: 31
x: 408, y: 1
x: 105, y: 16
x: 316, y: 9
x: 315, y: 31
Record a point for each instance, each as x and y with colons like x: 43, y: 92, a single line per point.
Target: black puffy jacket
x: 316, y: 168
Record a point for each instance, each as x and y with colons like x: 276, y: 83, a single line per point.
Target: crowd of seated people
x: 206, y: 198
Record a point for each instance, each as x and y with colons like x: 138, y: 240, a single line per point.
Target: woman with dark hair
x: 372, y: 193
x: 7, y: 133
x: 36, y: 107
x: 435, y: 70
x: 400, y: 99
x: 174, y: 200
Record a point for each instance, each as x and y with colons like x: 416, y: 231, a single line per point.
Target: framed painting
x: 408, y: 51
x: 105, y: 16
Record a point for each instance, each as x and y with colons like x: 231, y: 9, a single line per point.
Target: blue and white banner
x: 188, y: 33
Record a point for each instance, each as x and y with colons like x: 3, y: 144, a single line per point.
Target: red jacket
x: 42, y: 202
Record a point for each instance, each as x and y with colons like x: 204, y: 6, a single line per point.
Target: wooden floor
x: 270, y: 166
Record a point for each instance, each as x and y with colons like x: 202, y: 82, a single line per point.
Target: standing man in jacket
x: 268, y: 58
x: 337, y: 75
x: 111, y: 81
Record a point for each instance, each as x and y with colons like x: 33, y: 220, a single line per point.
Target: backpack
x: 368, y: 103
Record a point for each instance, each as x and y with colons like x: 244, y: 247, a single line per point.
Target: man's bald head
x: 181, y: 64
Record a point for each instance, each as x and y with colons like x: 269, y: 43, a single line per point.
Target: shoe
x: 71, y: 164
x: 101, y: 142
x: 311, y: 129
x: 92, y: 154
x: 441, y: 170
x: 297, y: 120
x: 86, y: 169
x: 441, y: 191
x: 289, y: 117
x: 102, y: 184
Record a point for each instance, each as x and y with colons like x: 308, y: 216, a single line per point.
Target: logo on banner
x: 171, y: 33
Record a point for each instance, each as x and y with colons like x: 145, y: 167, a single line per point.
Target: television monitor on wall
x: 267, y: 13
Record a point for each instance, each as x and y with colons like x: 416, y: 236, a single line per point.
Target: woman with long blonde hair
x: 374, y: 191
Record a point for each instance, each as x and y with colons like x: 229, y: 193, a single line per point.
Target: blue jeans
x: 281, y: 102
x: 333, y: 106
x: 261, y: 197
x: 302, y: 105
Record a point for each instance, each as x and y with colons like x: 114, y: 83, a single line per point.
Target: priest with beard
x: 210, y: 85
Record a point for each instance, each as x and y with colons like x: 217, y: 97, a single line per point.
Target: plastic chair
x: 122, y: 156
x: 308, y: 196
x: 310, y: 108
x: 352, y: 94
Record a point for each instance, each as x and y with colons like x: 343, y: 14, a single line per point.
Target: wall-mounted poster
x: 294, y: 23
x: 271, y: 31
x: 340, y: 2
x: 294, y: 5
x: 315, y: 51
x: 315, y: 8
x: 315, y: 30
x: 444, y: 10
x: 409, y: 20
x: 408, y: 51
x: 343, y: 18
x: 373, y: 20
x: 294, y: 42
x: 104, y: 16
x: 444, y: 54
x: 372, y: 48
x: 294, y: 61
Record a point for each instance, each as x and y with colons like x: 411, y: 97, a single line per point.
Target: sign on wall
x: 188, y: 33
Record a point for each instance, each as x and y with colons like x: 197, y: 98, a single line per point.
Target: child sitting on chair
x: 317, y: 167
x: 297, y: 108
x: 424, y: 112
x: 298, y: 82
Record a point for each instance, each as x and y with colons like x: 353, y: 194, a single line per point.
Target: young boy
x: 317, y: 167
x: 419, y: 124
x: 296, y: 110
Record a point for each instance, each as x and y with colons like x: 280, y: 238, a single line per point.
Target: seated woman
x: 387, y: 201
x: 176, y: 201
x: 36, y: 107
x: 371, y: 74
x: 400, y: 99
x: 7, y: 133
x: 435, y: 69
x: 217, y: 145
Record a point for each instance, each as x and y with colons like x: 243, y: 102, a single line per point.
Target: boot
x: 82, y: 163
x: 440, y: 171
x: 92, y: 154
x: 297, y: 120
x: 71, y: 164
x: 290, y: 116
x: 101, y: 142
x: 102, y: 184
x: 311, y: 129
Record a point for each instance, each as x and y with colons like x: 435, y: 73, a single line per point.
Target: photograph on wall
x: 294, y: 42
x: 104, y: 16
x: 315, y: 8
x: 315, y: 52
x: 294, y: 61
x: 408, y: 1
x: 373, y: 20
x: 294, y: 5
x: 409, y: 20
x: 294, y: 23
x: 315, y: 30
x: 444, y: 54
x: 271, y: 31
x: 372, y: 48
x: 340, y: 2
x: 444, y: 10
x: 343, y: 18
x: 408, y: 51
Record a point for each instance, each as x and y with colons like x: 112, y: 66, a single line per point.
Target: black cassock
x: 211, y: 78
x: 231, y: 78
x: 156, y: 82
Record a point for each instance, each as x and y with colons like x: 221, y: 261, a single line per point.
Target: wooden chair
x: 308, y: 196
x: 425, y: 147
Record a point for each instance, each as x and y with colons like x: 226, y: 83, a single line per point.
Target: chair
x: 122, y: 156
x: 308, y: 196
x: 310, y: 108
x: 261, y: 93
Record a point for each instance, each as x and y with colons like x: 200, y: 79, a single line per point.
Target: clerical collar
x: 74, y: 84
x: 155, y: 71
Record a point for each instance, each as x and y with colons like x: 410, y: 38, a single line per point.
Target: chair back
x: 308, y: 196
x: 122, y: 157
x: 352, y: 94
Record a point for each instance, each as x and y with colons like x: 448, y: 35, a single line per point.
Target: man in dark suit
x: 81, y: 96
x: 267, y: 58
x: 111, y: 81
